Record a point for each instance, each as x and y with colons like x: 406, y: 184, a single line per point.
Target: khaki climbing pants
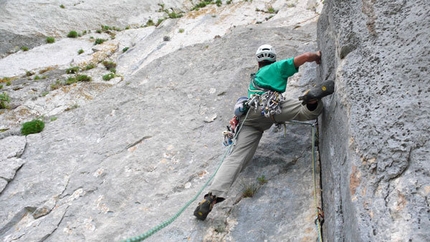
x: 249, y: 137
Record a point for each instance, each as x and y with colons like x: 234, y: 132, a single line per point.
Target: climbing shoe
x: 205, y: 206
x: 319, y: 91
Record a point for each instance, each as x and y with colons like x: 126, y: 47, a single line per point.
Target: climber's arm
x: 307, y: 57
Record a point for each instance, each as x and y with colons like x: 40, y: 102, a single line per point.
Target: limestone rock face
x: 119, y: 158
x: 375, y: 133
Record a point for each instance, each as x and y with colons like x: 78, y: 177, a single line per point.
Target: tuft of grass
x: 150, y: 22
x: 24, y: 48
x: 262, y: 180
x: 181, y: 30
x: 80, y: 51
x: 83, y: 78
x: 108, y: 76
x: 71, y: 80
x: 125, y: 49
x: 56, y: 85
x: 4, y: 100
x: 159, y: 22
x: 271, y: 10
x: 32, y: 127
x: 50, y: 40
x: 77, y: 78
x: 99, y: 41
x: 72, y: 34
x: 110, y: 65
x: 62, y: 6
x: 173, y: 14
x: 5, y: 79
x: 250, y: 190
x: 90, y: 66
x: 72, y: 70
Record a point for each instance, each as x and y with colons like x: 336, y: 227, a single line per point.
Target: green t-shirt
x: 273, y: 77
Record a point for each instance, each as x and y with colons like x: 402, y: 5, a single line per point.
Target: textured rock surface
x: 375, y: 135
x: 117, y: 158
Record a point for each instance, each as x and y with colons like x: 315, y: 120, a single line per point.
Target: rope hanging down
x: 319, y: 213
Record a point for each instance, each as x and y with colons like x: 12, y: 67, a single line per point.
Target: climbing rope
x: 319, y: 213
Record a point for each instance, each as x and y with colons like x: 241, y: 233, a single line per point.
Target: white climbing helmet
x: 266, y: 53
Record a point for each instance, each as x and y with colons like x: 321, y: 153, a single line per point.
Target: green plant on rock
x: 262, y: 180
x: 250, y: 190
x: 90, y: 66
x: 174, y: 15
x: 72, y: 70
x: 50, y: 40
x: 108, y: 76
x: 99, y: 41
x: 32, y: 127
x: 4, y: 100
x: 109, y: 65
x: 71, y: 80
x: 83, y: 78
x: 201, y: 4
x: 72, y: 34
x: 80, y: 51
x: 56, y: 85
x: 150, y: 22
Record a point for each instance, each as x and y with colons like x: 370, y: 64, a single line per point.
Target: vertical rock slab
x: 375, y: 131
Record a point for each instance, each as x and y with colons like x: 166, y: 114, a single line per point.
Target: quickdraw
x: 231, y: 130
x: 269, y: 101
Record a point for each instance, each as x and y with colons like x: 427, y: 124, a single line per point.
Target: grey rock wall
x: 375, y: 135
x: 119, y: 157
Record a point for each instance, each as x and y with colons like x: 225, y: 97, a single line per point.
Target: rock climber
x: 265, y: 94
